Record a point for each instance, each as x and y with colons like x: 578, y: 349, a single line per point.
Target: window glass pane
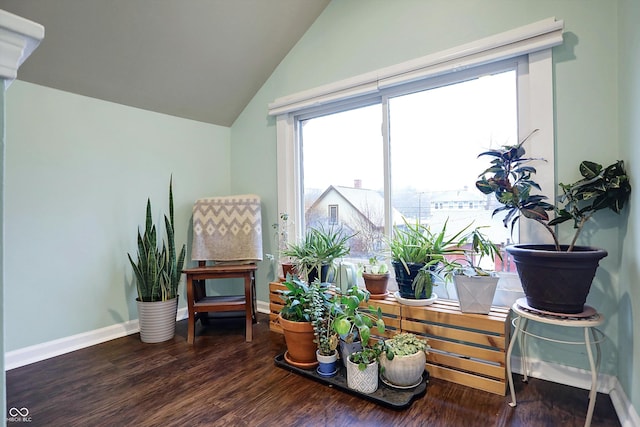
x: 435, y: 138
x: 342, y: 158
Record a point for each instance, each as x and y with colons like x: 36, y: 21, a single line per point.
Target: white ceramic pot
x: 475, y: 293
x: 363, y: 381
x: 157, y: 320
x: 403, y: 371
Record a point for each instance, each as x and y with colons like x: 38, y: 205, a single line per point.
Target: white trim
x: 580, y: 378
x: 627, y: 414
x: 19, y: 37
x: 536, y: 112
x: 562, y: 374
x: 530, y: 38
x: 36, y: 353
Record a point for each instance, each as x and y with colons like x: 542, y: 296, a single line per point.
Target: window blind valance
x: 519, y: 41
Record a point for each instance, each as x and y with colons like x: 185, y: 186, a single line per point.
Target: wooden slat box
x: 275, y: 305
x: 468, y: 349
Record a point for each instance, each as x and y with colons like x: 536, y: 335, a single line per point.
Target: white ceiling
x: 198, y: 59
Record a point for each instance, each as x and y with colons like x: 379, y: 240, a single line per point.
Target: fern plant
x: 158, y: 269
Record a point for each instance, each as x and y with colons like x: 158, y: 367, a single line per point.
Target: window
x: 333, y: 214
x: 435, y: 119
x: 435, y: 132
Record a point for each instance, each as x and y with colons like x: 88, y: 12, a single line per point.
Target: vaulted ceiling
x: 197, y: 59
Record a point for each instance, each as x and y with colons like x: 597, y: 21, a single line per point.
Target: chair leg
x: 191, y: 328
x: 248, y: 299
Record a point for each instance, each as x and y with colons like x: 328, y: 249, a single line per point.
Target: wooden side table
x: 199, y: 302
x: 589, y: 320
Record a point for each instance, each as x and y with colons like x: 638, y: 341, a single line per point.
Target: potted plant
x: 403, y: 360
x: 325, y: 337
x: 296, y: 318
x: 362, y: 368
x: 555, y: 277
x: 416, y: 252
x: 157, y: 274
x: 376, y: 277
x: 315, y: 255
x: 282, y: 237
x: 475, y: 285
x: 351, y: 322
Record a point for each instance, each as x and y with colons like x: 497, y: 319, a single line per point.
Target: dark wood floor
x: 223, y: 381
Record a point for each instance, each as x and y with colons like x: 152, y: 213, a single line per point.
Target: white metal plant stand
x: 589, y: 319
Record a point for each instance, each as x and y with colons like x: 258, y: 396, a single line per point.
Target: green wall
x: 629, y: 123
x: 78, y: 174
x: 359, y: 36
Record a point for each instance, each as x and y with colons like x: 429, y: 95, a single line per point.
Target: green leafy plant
x: 158, y: 269
x: 367, y: 355
x: 404, y: 344
x: 319, y: 247
x: 297, y: 301
x: 471, y: 249
x: 510, y: 179
x: 373, y: 267
x: 418, y: 244
x: 322, y: 318
x: 351, y: 321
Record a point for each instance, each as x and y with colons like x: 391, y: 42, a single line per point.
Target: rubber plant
x: 510, y: 179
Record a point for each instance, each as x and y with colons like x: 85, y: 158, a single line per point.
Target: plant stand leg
x: 594, y: 373
x: 516, y: 337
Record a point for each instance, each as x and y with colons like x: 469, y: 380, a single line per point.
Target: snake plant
x: 158, y: 269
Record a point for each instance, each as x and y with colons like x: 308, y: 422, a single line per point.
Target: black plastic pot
x: 324, y: 272
x: 405, y: 280
x: 556, y: 281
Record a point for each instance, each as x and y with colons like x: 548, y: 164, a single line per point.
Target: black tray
x: 385, y: 395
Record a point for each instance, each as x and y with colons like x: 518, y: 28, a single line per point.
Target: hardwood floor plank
x: 224, y: 381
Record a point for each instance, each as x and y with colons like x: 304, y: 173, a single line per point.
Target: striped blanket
x: 227, y: 229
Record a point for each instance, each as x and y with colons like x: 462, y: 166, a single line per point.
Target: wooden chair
x: 227, y: 231
x: 199, y: 304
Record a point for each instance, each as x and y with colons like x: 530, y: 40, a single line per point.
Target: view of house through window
x: 435, y: 136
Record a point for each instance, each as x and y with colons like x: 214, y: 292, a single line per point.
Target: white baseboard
x: 36, y: 353
x: 581, y: 378
x: 567, y: 375
x: 561, y: 374
x: 627, y: 414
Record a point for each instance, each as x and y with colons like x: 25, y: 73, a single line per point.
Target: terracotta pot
x: 288, y: 268
x: 301, y: 350
x: 403, y: 371
x: 376, y: 284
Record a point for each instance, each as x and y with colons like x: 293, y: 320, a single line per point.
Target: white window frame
x: 534, y: 42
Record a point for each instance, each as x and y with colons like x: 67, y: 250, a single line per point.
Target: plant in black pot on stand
x: 555, y: 277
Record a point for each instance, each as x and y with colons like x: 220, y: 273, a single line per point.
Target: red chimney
x: 357, y: 183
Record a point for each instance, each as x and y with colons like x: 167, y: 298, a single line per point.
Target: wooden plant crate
x: 468, y: 349
x: 275, y: 305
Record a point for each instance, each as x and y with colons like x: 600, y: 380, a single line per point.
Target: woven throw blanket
x: 227, y: 229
